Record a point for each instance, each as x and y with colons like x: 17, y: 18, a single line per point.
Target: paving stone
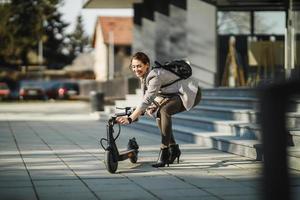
x: 126, y: 195
x: 52, y: 174
x: 17, y: 193
x: 181, y: 193
x: 162, y: 182
x: 52, y: 194
x: 11, y: 174
x: 242, y: 197
x: 58, y: 182
x: 236, y: 190
x: 120, y: 184
x: 92, y: 174
x: 15, y: 183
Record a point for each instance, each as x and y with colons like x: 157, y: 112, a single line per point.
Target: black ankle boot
x: 174, y: 153
x: 163, y: 158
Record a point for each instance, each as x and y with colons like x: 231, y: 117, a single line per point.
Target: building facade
x: 191, y: 29
x: 112, y: 43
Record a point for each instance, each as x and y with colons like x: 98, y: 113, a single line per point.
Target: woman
x: 181, y: 95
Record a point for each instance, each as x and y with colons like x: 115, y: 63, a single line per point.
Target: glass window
x: 295, y: 33
x: 271, y: 22
x: 233, y: 23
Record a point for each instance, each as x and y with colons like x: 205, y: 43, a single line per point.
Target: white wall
x: 162, y: 42
x: 137, y: 44
x: 101, y: 63
x: 202, y: 41
x: 178, y: 34
x: 148, y: 37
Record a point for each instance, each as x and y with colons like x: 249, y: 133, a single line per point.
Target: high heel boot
x: 174, y: 153
x: 163, y: 158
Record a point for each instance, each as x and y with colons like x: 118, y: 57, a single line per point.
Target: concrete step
x: 295, y: 137
x: 131, y: 100
x: 293, y: 120
x: 236, y: 145
x: 109, y: 109
x: 233, y: 127
x: 139, y: 92
x: 242, y: 129
x: 237, y: 103
x: 225, y: 113
x: 243, y: 98
x: 246, y: 115
x: 127, y: 103
x: 133, y: 97
x: 229, y: 115
x: 235, y: 93
x: 187, y: 134
x: 245, y: 146
x: 294, y: 157
x: 218, y: 140
x: 233, y: 102
x: 230, y: 92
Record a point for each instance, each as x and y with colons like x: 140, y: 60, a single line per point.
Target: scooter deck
x: 127, y: 154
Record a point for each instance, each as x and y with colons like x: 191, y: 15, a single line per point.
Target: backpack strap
x: 168, y: 84
x: 158, y: 65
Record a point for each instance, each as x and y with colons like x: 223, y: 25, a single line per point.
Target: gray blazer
x: 151, y: 85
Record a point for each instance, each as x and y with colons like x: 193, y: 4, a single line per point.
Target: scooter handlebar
x: 128, y: 111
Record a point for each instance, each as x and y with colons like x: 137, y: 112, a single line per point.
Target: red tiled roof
x: 121, y: 27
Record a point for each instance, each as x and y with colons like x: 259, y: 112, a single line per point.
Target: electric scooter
x: 112, y: 154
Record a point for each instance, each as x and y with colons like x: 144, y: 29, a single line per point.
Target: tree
x: 24, y: 24
x: 54, y: 42
x: 7, y: 32
x: 27, y: 18
x: 78, y: 41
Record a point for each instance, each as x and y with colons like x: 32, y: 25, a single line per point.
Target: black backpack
x: 179, y: 67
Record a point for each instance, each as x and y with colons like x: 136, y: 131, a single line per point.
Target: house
x: 112, y: 43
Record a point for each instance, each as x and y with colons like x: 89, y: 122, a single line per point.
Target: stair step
x: 133, y: 97
x: 236, y: 102
x: 293, y: 120
x: 188, y: 134
x: 226, y: 113
x: 244, y: 115
x: 236, y: 145
x: 127, y: 103
x: 139, y: 92
x: 239, y: 128
x: 218, y: 140
x: 294, y: 157
x: 295, y: 137
x: 236, y: 92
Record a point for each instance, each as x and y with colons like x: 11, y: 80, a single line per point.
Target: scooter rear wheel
x: 134, y: 158
x: 110, y: 164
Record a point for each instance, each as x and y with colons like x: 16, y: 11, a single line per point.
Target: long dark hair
x: 141, y: 57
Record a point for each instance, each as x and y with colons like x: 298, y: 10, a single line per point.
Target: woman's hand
x: 134, y: 116
x: 149, y: 111
x: 123, y: 120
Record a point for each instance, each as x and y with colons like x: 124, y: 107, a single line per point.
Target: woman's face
x: 139, y: 68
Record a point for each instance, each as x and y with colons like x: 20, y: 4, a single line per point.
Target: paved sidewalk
x: 51, y: 151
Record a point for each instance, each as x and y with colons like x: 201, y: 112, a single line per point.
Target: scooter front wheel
x: 110, y: 164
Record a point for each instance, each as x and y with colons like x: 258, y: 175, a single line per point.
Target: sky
x: 72, y: 8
